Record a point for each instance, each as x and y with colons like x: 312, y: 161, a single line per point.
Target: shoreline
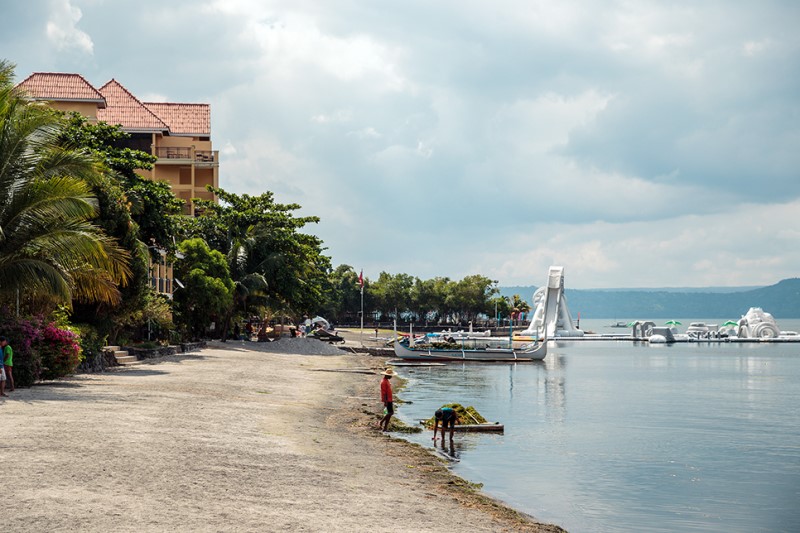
x: 231, y: 438
x: 436, y: 470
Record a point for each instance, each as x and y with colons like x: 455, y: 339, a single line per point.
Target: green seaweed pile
x: 464, y: 415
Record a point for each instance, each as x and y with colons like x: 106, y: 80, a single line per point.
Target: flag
x: 361, y: 280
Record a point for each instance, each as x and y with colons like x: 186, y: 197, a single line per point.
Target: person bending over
x: 447, y: 417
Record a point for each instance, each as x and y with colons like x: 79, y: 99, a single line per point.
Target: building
x: 178, y: 134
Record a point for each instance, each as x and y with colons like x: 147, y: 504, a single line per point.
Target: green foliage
x: 471, y: 296
x: 152, y: 319
x: 49, y: 247
x: 151, y: 204
x: 343, y: 298
x: 107, y: 142
x: 437, y: 299
x: 208, y: 288
x: 133, y: 210
x: 271, y: 261
x: 92, y: 343
x: 59, y: 349
x: 393, y: 292
x: 42, y: 349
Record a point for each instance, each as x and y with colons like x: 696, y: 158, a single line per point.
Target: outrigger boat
x: 467, y: 352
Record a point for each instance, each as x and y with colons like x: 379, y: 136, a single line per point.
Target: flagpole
x: 361, y: 282
x: 362, y: 315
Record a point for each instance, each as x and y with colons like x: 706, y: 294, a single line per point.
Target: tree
x: 393, y: 293
x: 48, y: 243
x: 262, y: 238
x: 343, y: 300
x: 208, y: 289
x: 519, y: 306
x: 471, y: 296
x: 152, y: 204
x: 500, y: 307
x: 132, y: 209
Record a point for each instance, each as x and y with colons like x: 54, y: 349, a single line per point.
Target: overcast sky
x: 638, y: 144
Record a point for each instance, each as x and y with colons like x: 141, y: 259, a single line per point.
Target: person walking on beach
x: 386, y: 398
x: 8, y: 363
x: 447, y: 417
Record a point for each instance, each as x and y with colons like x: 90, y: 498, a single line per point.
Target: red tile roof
x: 125, y: 109
x: 60, y: 86
x: 186, y: 119
x: 116, y: 105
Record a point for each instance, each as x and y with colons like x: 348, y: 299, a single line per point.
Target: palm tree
x: 520, y: 306
x: 48, y: 244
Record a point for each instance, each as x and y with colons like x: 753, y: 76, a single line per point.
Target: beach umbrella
x: 730, y: 323
x: 672, y: 323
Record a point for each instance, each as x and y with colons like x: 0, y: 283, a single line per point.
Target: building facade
x: 178, y: 134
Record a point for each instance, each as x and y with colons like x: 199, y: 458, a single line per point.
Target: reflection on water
x: 691, y: 437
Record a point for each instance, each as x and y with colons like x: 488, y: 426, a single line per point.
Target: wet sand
x: 232, y: 438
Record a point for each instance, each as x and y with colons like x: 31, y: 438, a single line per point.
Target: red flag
x: 361, y: 279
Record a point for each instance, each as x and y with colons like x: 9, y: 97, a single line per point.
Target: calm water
x: 615, y: 436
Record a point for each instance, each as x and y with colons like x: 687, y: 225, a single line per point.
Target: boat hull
x: 490, y: 355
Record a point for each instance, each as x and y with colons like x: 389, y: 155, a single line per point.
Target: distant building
x: 178, y: 134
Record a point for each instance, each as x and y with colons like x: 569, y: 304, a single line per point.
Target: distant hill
x: 782, y: 300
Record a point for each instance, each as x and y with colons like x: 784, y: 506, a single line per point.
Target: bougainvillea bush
x: 42, y: 348
x: 60, y: 351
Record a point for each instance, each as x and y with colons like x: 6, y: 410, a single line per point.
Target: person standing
x: 2, y: 381
x: 386, y: 398
x: 8, y: 362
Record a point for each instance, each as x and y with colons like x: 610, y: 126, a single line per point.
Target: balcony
x: 177, y: 154
x: 187, y: 154
x: 206, y: 157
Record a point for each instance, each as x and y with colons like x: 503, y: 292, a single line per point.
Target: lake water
x: 616, y: 436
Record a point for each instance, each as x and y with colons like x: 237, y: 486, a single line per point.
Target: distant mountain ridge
x: 782, y: 300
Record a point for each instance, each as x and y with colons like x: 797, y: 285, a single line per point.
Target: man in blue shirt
x: 446, y: 416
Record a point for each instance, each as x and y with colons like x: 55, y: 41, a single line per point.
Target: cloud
x: 637, y: 143
x: 62, y: 28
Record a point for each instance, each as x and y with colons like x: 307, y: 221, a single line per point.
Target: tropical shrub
x: 92, y: 343
x: 59, y: 350
x: 42, y: 349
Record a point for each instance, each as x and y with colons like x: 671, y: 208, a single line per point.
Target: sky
x: 637, y: 144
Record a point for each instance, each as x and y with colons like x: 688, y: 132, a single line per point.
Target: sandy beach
x: 232, y: 438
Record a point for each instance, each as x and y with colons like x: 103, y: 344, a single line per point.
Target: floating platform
x: 489, y: 427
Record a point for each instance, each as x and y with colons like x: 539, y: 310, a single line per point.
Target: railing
x: 205, y: 156
x: 173, y: 152
x: 209, y: 157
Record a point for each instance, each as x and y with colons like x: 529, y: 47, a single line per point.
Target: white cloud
x: 754, y: 48
x: 62, y: 27
x: 341, y: 115
x: 365, y: 133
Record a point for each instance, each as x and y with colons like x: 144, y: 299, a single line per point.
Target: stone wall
x: 98, y: 362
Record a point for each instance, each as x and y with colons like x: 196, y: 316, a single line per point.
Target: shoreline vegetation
x: 276, y: 440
